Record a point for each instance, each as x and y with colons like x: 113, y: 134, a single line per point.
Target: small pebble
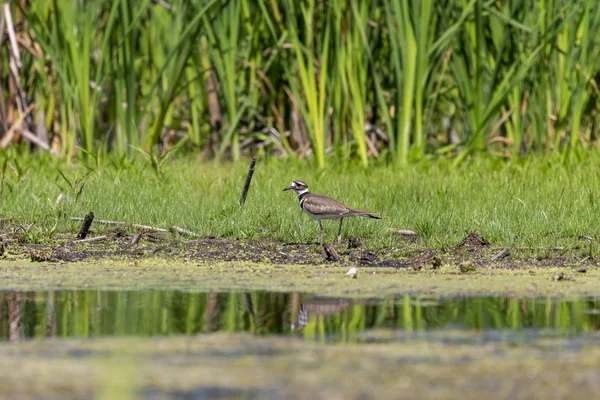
x: 352, y: 273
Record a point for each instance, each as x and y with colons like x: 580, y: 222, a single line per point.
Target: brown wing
x: 318, y: 204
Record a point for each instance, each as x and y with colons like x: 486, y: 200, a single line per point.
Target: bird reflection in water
x: 313, y: 307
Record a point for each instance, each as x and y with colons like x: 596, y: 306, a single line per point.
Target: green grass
x: 532, y: 203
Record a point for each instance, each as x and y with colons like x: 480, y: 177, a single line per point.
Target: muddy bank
x: 473, y: 266
x: 472, y: 253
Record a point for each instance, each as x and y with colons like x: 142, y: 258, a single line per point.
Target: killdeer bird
x: 322, y: 207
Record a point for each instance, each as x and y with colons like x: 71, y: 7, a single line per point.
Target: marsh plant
x: 391, y: 79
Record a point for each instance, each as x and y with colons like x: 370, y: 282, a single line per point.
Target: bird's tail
x: 363, y: 213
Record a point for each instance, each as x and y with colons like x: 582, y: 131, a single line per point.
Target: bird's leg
x: 322, y: 231
x: 340, y: 232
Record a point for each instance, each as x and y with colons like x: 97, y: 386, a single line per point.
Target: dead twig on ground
x: 93, y: 239
x: 527, y: 248
x: 137, y: 237
x: 105, y: 222
x: 172, y: 229
x: 330, y: 253
x: 503, y: 253
x: 185, y: 232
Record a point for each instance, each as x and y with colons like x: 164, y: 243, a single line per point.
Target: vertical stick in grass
x: 248, y: 180
x: 85, y: 226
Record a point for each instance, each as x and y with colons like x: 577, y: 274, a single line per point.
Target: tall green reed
x: 309, y: 78
x: 396, y: 79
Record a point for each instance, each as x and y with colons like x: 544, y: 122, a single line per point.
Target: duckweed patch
x: 248, y: 366
x: 325, y: 279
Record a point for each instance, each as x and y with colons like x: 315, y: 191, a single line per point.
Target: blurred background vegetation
x: 393, y: 80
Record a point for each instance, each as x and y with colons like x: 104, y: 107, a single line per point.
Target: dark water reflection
x: 94, y: 313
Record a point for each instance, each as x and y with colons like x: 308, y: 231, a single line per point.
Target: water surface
x: 98, y: 313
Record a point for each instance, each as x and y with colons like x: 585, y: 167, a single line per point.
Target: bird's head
x: 297, y: 186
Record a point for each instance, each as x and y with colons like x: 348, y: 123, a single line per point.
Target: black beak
x: 288, y: 188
